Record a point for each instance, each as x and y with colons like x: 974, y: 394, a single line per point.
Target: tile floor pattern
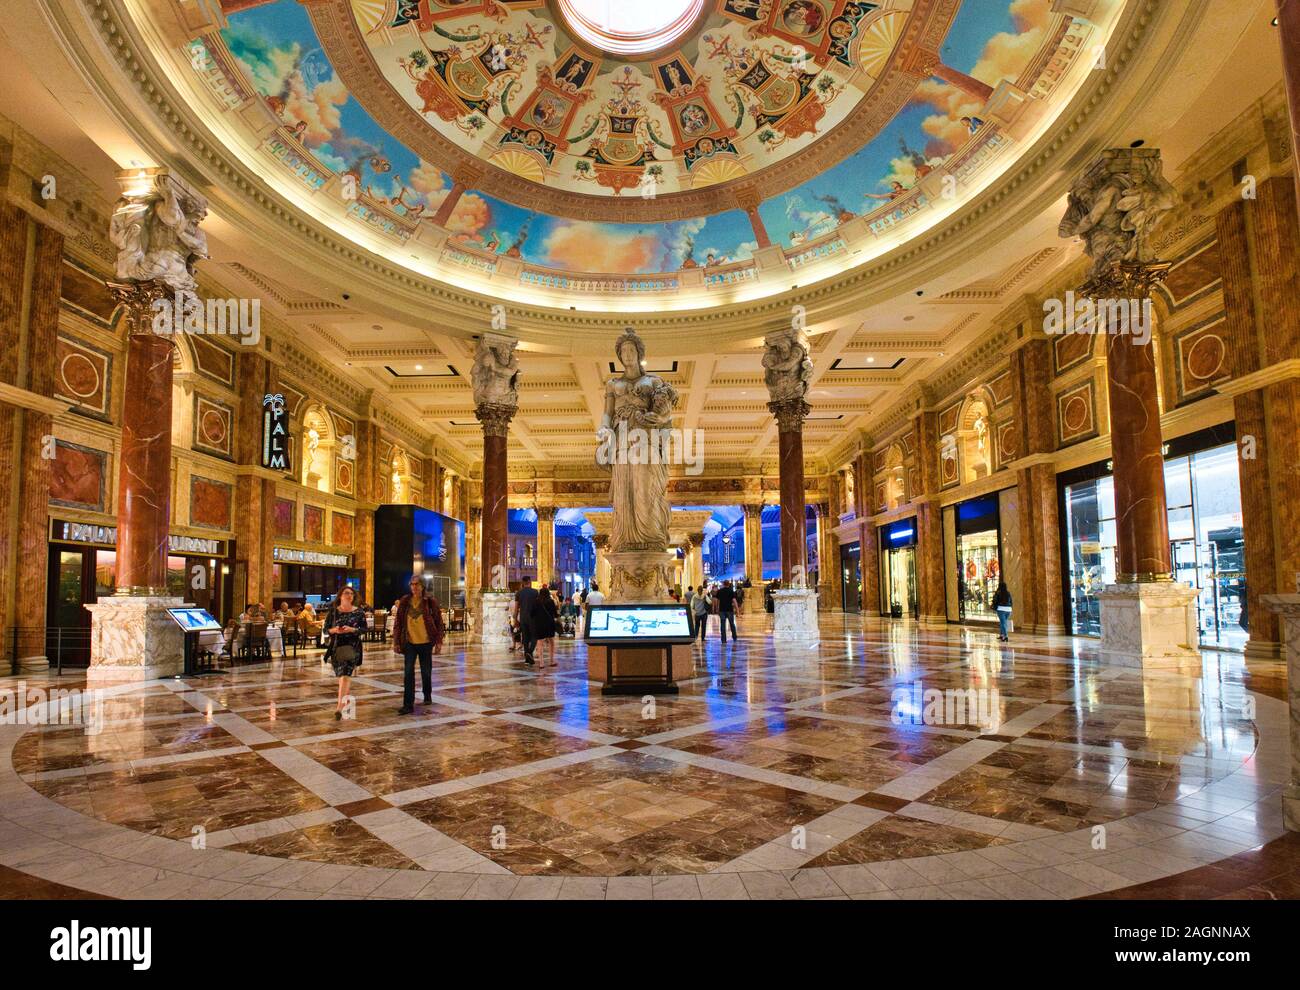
x: 777, y: 772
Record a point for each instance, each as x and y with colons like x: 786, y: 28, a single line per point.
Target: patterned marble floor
x: 778, y: 772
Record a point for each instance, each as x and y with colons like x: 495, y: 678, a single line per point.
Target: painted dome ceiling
x: 573, y: 154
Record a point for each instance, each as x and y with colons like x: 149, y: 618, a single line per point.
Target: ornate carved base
x: 134, y: 639
x: 795, y: 619
x: 494, y: 619
x: 1289, y: 608
x: 1149, y: 624
x: 639, y: 576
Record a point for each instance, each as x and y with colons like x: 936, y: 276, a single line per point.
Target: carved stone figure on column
x: 638, y: 408
x: 495, y: 375
x: 787, y: 369
x: 155, y: 228
x: 1115, y: 206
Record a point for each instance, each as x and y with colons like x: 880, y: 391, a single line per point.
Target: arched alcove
x: 895, y: 478
x: 318, y: 448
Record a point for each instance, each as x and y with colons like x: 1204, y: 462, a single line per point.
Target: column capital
x: 140, y: 300
x: 465, y: 174
x: 495, y: 419
x: 748, y: 198
x: 790, y: 414
x: 545, y: 513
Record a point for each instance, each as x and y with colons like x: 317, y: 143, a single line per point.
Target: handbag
x: 346, y: 653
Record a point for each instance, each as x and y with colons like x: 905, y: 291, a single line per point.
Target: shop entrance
x: 851, y: 576
x: 979, y: 559
x: 77, y: 577
x: 898, y: 569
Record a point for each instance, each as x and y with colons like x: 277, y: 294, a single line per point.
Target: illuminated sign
x: 275, y: 433
x: 290, y: 555
x: 106, y: 536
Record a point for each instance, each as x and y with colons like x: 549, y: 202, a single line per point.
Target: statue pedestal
x: 639, y: 669
x: 494, y: 619
x: 134, y: 639
x: 639, y: 576
x: 1149, y: 625
x: 795, y: 618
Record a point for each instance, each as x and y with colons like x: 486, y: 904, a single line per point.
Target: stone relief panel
x: 210, y: 502
x: 78, y: 476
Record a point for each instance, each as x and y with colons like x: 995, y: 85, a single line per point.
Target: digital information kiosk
x: 192, y: 622
x: 639, y: 649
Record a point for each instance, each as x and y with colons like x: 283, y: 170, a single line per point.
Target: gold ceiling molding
x: 345, y: 47
x: 1031, y: 186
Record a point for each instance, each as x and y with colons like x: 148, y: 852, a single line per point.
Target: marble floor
x: 884, y: 762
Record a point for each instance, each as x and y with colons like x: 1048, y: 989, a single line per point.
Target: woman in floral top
x: 345, y: 625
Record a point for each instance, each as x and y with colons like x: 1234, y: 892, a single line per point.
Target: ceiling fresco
x: 753, y: 89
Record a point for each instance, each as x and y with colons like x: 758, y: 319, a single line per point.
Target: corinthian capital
x: 155, y: 228
x: 1115, y: 206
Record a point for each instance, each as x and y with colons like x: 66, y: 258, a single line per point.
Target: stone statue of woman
x: 638, y: 410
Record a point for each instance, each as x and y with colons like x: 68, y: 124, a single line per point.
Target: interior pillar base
x: 1149, y: 625
x: 132, y: 638
x: 795, y: 615
x: 494, y: 619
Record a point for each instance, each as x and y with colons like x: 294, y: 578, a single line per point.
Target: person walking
x: 418, y: 633
x: 700, y: 609
x: 523, y: 613
x: 690, y: 595
x: 727, y: 610
x: 345, y: 623
x: 544, y: 614
x: 1002, y: 605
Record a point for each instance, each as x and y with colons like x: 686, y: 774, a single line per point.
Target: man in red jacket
x: 417, y: 632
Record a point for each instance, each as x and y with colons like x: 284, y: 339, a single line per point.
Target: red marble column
x: 144, y: 473
x: 462, y: 178
x: 1141, y: 517
x: 496, y: 424
x: 794, y: 526
x: 869, y: 562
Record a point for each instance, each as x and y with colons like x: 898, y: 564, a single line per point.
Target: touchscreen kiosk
x: 634, y: 625
x: 194, y: 620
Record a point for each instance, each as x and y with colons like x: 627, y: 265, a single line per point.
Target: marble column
x: 27, y: 355
x: 255, y: 489
x: 828, y: 559
x: 1288, y: 23
x: 752, y: 527
x: 1147, y: 619
x: 1039, y: 605
x: 545, y: 545
x: 600, y: 542
x: 931, y: 592
x: 924, y: 62
x: 496, y: 398
x: 869, y: 566
x: 695, y: 559
x: 788, y: 373
x: 155, y: 227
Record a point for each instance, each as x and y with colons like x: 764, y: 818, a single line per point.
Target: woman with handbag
x: 345, y: 625
x: 544, y: 615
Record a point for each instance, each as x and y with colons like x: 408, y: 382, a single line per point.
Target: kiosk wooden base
x: 639, y: 669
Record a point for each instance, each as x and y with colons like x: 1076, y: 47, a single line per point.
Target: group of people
x: 721, y: 598
x: 538, y: 615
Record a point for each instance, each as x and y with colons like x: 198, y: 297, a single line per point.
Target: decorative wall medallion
x: 83, y: 375
x: 1076, y: 414
x: 212, y: 426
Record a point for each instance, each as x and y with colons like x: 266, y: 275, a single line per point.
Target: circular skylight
x: 630, y: 27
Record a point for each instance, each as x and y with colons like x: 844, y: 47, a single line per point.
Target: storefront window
x: 979, y: 558
x: 898, y: 560
x: 851, y: 576
x: 1203, y: 494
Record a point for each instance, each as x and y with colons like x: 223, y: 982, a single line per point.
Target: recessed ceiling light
x: 419, y: 367
x: 871, y: 360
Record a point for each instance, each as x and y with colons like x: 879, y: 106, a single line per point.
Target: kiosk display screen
x: 194, y: 619
x: 650, y: 624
